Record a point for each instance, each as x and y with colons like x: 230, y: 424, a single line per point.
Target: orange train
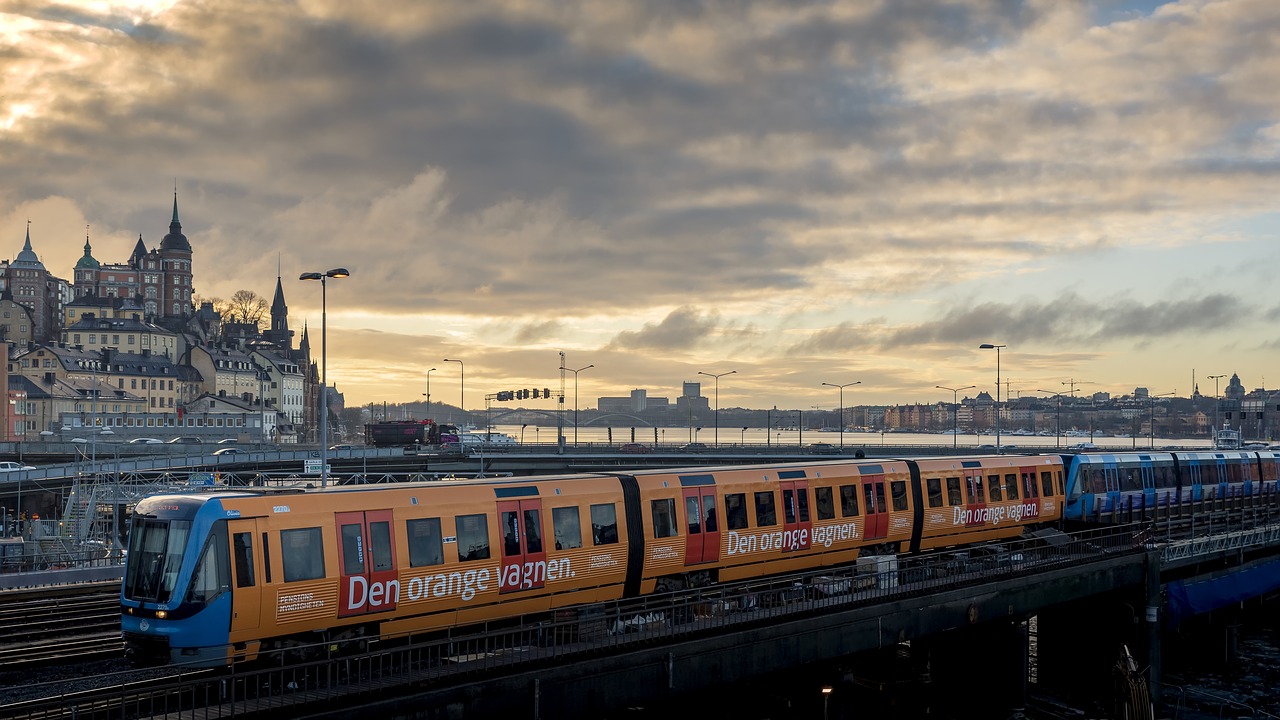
x: 216, y: 578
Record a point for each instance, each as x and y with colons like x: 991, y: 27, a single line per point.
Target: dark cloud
x: 683, y: 329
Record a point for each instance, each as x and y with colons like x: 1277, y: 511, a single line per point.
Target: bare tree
x: 246, y: 306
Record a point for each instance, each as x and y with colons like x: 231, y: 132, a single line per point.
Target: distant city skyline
x: 802, y: 193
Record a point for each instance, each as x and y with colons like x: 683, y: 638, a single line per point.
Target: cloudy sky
x: 801, y: 192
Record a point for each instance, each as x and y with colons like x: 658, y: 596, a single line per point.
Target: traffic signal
x: 535, y: 393
x: 546, y: 392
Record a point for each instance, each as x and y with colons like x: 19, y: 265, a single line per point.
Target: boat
x: 1226, y: 438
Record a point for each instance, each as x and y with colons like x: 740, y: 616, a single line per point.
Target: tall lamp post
x: 428, y: 394
x: 717, y: 377
x: 955, y: 412
x: 324, y: 375
x: 575, y: 399
x: 842, y: 387
x: 990, y: 346
x: 462, y: 386
x: 1214, y: 435
x: 1058, y: 439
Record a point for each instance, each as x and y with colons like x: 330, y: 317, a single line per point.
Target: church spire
x: 28, y: 257
x: 175, y: 240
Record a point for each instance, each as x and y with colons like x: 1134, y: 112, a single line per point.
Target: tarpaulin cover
x: 1192, y: 597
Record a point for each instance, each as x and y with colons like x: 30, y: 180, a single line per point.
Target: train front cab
x: 176, y: 595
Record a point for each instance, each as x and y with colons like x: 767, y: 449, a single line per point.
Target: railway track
x: 58, y: 625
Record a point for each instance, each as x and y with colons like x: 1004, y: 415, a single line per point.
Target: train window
x: 1046, y: 484
x: 935, y: 492
x: 802, y: 495
x: 735, y: 506
x: 849, y: 500
x: 213, y: 573
x: 766, y: 512
x: 604, y: 524
x: 353, y: 549
x: 510, y: 534
x: 1061, y: 490
x: 993, y: 482
x: 788, y: 505
x: 567, y: 528
x: 1010, y: 486
x: 664, y: 518
x: 473, y: 537
x: 242, y: 552
x: 825, y: 500
x: 532, y: 531
x: 425, y: 542
x: 974, y: 486
x: 709, y: 523
x: 692, y: 515
x: 898, y: 490
x: 380, y: 545
x: 953, y: 492
x: 302, y: 551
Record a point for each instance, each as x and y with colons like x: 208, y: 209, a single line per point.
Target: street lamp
x: 1152, y: 399
x: 462, y: 386
x: 826, y: 695
x: 1058, y: 440
x: 1214, y: 435
x: 428, y: 394
x: 324, y: 375
x: 842, y: 387
x: 575, y: 399
x: 955, y: 411
x: 717, y: 377
x: 990, y: 346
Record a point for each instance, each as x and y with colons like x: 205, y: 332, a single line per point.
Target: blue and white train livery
x: 1099, y: 484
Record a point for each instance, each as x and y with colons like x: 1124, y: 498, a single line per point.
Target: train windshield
x: 155, y: 556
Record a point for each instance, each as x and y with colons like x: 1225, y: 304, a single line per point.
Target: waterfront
x: 589, y: 436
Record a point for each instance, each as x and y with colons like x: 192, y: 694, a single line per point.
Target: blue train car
x: 1101, y: 483
x: 173, y: 600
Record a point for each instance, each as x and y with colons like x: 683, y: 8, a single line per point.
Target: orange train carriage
x: 216, y: 578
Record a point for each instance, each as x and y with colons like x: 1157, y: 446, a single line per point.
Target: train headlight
x: 162, y: 614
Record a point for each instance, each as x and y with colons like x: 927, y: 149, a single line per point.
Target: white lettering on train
x: 522, y: 576
x: 790, y: 540
x: 993, y: 515
x: 376, y: 595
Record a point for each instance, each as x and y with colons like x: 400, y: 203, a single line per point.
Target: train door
x: 795, y: 514
x: 366, y: 563
x: 876, y: 523
x: 247, y: 568
x: 1223, y: 486
x: 975, y: 497
x: 1030, y: 492
x: 1111, y: 481
x: 1147, y: 478
x: 1195, y: 480
x: 702, y: 543
x: 523, y: 553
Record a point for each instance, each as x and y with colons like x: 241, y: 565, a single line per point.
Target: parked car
x: 227, y: 451
x: 634, y: 448
x: 823, y: 449
x: 342, y: 447
x: 184, y: 440
x: 146, y: 441
x: 10, y: 466
x: 228, y: 441
x: 694, y: 447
